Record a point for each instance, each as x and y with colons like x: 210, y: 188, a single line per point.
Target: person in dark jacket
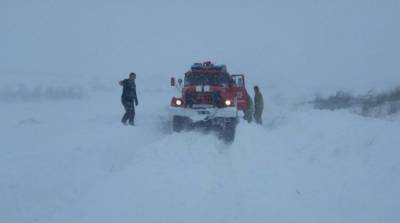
x: 129, y: 99
x: 258, y: 105
x: 248, y: 114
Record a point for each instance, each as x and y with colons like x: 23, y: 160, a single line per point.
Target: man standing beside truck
x: 249, y: 112
x: 129, y: 99
x: 258, y: 105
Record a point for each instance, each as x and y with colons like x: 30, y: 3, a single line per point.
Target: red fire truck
x: 211, y: 98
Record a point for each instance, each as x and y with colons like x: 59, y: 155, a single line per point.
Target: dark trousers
x: 258, y: 116
x: 248, y: 115
x: 129, y: 111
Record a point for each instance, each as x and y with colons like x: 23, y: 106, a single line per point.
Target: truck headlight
x: 178, y: 102
x: 228, y: 102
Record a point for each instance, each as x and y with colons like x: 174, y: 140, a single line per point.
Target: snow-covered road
x: 70, y: 160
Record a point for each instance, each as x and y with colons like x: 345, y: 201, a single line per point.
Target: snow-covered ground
x: 65, y: 156
x: 69, y: 159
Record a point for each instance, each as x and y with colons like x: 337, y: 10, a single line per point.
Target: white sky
x: 305, y: 40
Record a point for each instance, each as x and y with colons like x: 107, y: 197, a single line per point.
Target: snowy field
x: 69, y: 159
x: 66, y: 158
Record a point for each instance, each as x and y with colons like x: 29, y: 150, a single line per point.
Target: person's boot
x: 124, y: 119
x: 132, y: 119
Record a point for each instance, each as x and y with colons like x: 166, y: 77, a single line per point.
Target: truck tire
x: 228, y: 131
x: 178, y: 123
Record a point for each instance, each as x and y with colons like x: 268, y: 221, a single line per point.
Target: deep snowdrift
x: 71, y: 160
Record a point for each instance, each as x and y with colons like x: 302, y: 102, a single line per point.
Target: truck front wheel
x: 178, y: 123
x: 228, y: 131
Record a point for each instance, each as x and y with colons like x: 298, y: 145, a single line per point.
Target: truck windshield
x: 206, y: 79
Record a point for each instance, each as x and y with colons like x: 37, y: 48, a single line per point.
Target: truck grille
x: 212, y: 98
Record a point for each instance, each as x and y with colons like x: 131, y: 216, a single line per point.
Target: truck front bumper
x: 204, y: 114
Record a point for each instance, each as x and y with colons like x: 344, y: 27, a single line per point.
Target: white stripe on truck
x: 198, y: 88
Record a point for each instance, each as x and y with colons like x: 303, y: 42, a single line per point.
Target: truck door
x: 239, y: 90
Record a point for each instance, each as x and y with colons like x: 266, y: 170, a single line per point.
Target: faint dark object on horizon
x: 371, y: 105
x: 29, y: 121
x: 26, y: 94
x: 340, y: 100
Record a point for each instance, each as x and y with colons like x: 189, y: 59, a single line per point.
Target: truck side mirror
x: 172, y: 81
